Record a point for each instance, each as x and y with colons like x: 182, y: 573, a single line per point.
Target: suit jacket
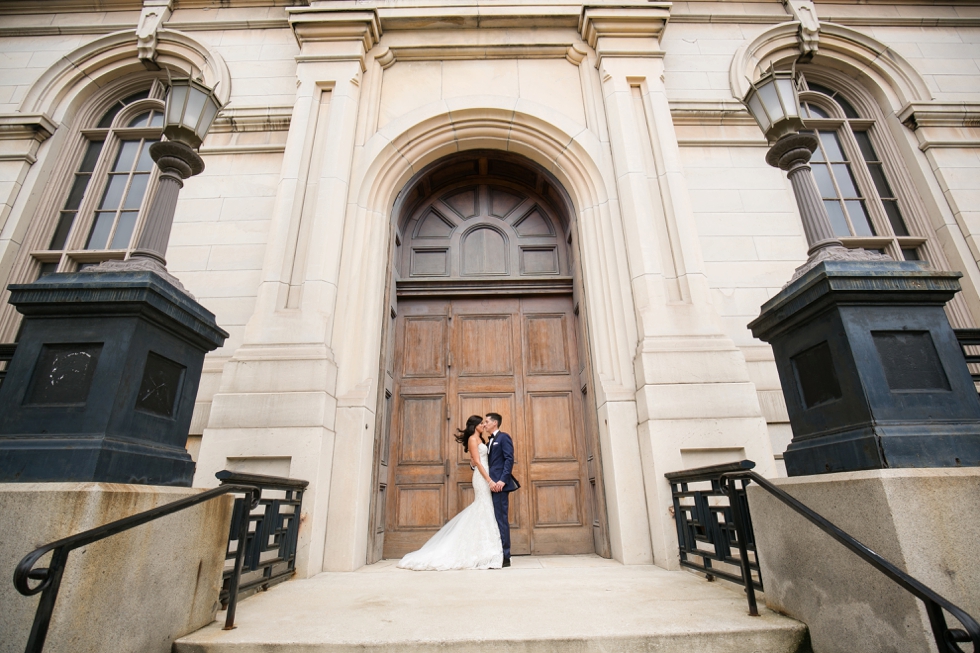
x: 500, y: 461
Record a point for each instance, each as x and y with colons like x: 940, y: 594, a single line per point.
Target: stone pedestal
x: 102, y: 384
x: 922, y: 520
x: 134, y: 592
x: 871, y: 370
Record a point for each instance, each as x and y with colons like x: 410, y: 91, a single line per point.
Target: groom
x: 500, y: 461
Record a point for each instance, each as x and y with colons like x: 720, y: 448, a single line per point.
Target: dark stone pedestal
x: 871, y: 370
x: 103, y: 381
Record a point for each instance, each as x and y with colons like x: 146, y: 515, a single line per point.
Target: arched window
x: 89, y: 209
x: 861, y: 187
x: 109, y: 186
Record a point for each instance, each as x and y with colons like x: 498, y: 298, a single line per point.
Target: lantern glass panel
x: 788, y: 96
x: 755, y: 105
x: 210, y: 110
x: 195, y: 104
x: 767, y: 91
x: 175, y: 104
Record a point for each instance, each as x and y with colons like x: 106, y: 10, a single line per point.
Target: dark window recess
x: 63, y: 374
x: 910, y: 360
x: 46, y: 269
x: 160, y: 385
x: 910, y: 254
x: 75, y: 195
x: 877, y: 172
x: 816, y: 376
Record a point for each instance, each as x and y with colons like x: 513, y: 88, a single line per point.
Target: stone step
x: 541, y: 604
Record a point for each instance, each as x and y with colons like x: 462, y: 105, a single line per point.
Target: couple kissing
x: 479, y: 536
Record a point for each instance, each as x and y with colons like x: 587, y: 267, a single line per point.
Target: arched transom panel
x: 482, y: 217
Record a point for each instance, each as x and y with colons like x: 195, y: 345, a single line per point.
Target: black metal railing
x: 733, y: 482
x: 6, y: 354
x: 969, y: 340
x: 707, y: 520
x: 271, y: 532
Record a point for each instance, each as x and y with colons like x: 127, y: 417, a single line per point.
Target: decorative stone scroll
x: 155, y: 13
x: 806, y: 13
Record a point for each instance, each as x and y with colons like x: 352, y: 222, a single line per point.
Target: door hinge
x: 447, y: 468
x: 449, y: 414
x: 449, y: 360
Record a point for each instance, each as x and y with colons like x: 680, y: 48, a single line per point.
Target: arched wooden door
x: 485, y: 321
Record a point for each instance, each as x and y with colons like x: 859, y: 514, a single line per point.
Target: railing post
x: 741, y: 532
x: 45, y: 608
x: 236, y: 576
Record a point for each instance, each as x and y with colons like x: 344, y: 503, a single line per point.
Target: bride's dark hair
x: 463, y: 435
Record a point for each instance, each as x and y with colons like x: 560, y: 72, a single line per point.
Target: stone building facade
x: 415, y: 210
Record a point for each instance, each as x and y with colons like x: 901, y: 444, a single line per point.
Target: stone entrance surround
x: 378, y: 100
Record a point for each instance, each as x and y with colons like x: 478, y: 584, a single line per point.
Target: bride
x: 471, y: 539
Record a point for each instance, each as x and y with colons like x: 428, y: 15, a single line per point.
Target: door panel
x: 516, y: 356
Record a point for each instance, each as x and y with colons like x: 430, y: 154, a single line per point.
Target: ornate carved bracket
x: 624, y: 30
x: 804, y: 11
x: 155, y: 13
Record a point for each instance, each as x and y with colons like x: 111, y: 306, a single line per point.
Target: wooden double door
x: 516, y: 356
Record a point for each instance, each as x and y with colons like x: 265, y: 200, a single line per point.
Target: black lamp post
x: 103, y: 381
x: 774, y: 102
x: 870, y: 368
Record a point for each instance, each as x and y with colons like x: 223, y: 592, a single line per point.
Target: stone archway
x: 483, y: 318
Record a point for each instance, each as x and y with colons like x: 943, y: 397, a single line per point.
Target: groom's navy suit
x: 500, y: 462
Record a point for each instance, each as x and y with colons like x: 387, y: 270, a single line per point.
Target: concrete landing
x: 563, y: 603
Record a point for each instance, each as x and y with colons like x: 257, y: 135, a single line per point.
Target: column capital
x: 624, y: 29
x: 334, y: 33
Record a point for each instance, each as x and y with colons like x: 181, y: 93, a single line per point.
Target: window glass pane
x: 91, y: 156
x: 832, y: 146
x: 817, y: 88
x: 845, y: 181
x: 910, y: 254
x: 846, y: 106
x: 124, y: 230
x: 837, y: 220
x: 114, y: 192
x: 100, y: 230
x: 895, y: 218
x: 878, y: 177
x: 141, y: 95
x: 77, y: 191
x: 818, y: 153
x: 859, y: 218
x: 867, y: 150
x: 140, y: 120
x: 826, y: 186
x: 156, y: 120
x: 136, y: 191
x: 815, y: 112
x: 127, y: 154
x: 65, y: 221
x: 46, y: 269
x: 106, y: 121
x: 145, y: 163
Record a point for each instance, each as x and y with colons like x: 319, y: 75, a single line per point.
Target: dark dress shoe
x: 506, y: 562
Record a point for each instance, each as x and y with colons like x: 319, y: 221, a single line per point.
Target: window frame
x: 74, y: 254
x: 886, y: 239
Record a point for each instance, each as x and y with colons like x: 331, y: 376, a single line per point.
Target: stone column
x: 685, y: 364
x: 275, y: 410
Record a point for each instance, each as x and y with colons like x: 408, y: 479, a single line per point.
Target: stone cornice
x: 321, y: 25
x: 943, y: 124
x: 626, y: 29
x: 19, y: 126
x: 83, y: 6
x: 252, y: 119
x: 940, y: 114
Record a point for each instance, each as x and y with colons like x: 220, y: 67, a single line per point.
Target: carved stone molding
x: 943, y: 124
x: 335, y: 34
x: 809, y: 32
x: 252, y: 119
x: 155, y: 13
x: 630, y: 29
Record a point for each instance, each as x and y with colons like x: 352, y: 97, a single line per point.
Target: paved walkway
x: 557, y: 603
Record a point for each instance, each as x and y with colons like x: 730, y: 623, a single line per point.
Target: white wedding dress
x: 470, y: 540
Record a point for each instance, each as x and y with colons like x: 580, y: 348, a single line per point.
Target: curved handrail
x: 50, y: 576
x: 946, y: 638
